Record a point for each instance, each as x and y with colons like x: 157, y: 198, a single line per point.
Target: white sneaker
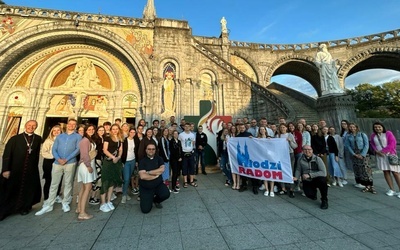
x: 398, y: 195
x: 113, y: 197
x: 123, y: 201
x: 128, y: 198
x: 297, y: 189
x: 110, y: 205
x: 58, y: 199
x: 271, y: 194
x: 266, y: 193
x: 344, y: 182
x: 65, y: 207
x: 334, y: 183
x: 358, y: 185
x: 275, y: 189
x: 69, y: 199
x: 390, y: 193
x: 104, y: 208
x: 328, y: 184
x: 45, y: 209
x: 340, y: 184
x: 262, y: 187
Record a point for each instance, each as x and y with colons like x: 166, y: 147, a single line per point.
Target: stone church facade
x: 55, y: 65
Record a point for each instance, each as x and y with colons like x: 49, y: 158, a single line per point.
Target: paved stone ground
x: 213, y: 216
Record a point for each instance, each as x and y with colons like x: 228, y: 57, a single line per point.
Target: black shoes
x: 255, y: 190
x: 324, y: 205
x: 204, y: 173
x: 24, y: 212
x: 242, y: 188
x: 291, y: 194
x: 158, y: 205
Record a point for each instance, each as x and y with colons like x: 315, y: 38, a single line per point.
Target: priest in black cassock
x: 20, y: 187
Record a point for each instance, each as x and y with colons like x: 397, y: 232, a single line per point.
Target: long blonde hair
x: 50, y: 136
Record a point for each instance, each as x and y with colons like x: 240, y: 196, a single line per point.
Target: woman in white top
x: 128, y: 158
x: 48, y: 160
x: 86, y: 171
x: 269, y: 189
x: 282, y: 133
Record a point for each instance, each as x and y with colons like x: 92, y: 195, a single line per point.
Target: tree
x: 1, y: 2
x: 377, y: 101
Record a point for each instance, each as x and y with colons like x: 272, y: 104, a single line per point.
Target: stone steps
x: 300, y: 109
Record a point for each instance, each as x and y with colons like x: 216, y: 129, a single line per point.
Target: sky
x: 262, y: 21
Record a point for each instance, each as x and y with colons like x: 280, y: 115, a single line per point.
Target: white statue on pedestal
x: 224, y: 29
x: 327, y: 72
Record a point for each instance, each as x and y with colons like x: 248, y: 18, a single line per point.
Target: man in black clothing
x: 254, y: 182
x: 152, y: 188
x: 19, y: 180
x: 201, y: 143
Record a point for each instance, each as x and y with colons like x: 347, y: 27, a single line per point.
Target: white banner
x: 264, y: 159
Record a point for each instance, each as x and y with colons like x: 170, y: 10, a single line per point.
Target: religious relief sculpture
x: 168, y: 92
x: 95, y: 105
x: 62, y: 105
x: 84, y: 76
x: 327, y: 72
x: 224, y: 29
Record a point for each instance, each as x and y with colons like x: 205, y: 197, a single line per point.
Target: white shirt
x: 188, y: 141
x: 131, y: 150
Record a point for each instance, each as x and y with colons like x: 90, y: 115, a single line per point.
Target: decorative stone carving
x: 224, y: 29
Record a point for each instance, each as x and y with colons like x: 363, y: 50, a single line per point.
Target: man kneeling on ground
x: 152, y: 188
x: 312, y: 170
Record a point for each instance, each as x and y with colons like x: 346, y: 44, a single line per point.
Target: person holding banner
x: 283, y: 133
x: 269, y: 189
x: 224, y: 159
x: 312, y: 170
x: 254, y: 182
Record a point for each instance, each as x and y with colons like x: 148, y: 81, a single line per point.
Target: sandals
x: 185, y: 185
x: 369, y: 190
x: 282, y: 192
x: 193, y: 184
x: 85, y: 217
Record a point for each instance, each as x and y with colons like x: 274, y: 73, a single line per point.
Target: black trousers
x: 175, y: 166
x: 310, y: 188
x: 247, y: 180
x: 158, y: 193
x: 47, y: 168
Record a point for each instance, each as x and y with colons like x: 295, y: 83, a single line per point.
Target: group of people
x: 103, y: 160
x: 150, y: 160
x: 319, y: 156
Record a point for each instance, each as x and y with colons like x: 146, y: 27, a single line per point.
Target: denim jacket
x: 362, y: 143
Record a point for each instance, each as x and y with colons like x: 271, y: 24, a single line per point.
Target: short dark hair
x: 118, y: 120
x: 107, y: 123
x: 156, y: 121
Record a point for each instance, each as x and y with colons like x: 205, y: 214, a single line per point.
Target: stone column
x: 334, y: 108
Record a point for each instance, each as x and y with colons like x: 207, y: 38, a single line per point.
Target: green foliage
x: 381, y: 101
x: 1, y: 2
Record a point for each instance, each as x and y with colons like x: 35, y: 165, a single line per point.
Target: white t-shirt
x: 131, y: 150
x: 187, y: 141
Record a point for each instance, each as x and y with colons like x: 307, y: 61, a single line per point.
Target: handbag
x: 92, y: 154
x: 392, y: 158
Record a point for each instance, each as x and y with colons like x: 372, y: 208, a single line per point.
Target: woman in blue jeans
x: 128, y: 158
x: 224, y: 159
